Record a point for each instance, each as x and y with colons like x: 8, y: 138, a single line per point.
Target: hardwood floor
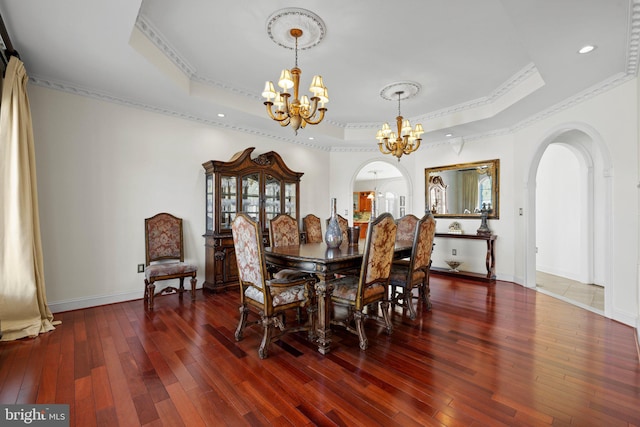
x: 485, y: 355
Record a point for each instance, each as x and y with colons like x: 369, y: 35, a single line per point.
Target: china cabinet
x: 261, y: 187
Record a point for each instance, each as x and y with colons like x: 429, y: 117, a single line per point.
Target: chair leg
x: 408, y: 300
x: 150, y: 290
x: 268, y: 325
x: 244, y: 311
x: 193, y: 288
x: 384, y: 305
x: 181, y: 288
x: 359, y: 317
x: 425, y: 293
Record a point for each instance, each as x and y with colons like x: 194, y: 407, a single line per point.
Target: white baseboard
x: 76, y: 304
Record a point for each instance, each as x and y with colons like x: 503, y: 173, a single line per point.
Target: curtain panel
x: 23, y: 303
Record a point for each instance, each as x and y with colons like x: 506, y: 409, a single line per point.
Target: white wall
x: 560, y: 211
x: 102, y: 168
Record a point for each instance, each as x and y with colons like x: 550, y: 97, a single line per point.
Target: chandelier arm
x: 285, y: 121
x: 312, y: 110
x: 269, y: 105
x: 389, y: 145
x: 382, y: 150
x: 415, y: 145
x: 319, y: 119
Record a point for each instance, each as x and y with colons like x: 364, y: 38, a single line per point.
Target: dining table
x: 324, y: 263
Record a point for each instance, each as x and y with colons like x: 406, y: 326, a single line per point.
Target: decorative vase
x: 333, y: 236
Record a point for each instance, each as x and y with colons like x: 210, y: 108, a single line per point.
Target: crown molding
x: 89, y: 93
x: 633, y: 51
x: 146, y: 27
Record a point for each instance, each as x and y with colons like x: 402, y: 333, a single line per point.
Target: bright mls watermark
x: 36, y: 415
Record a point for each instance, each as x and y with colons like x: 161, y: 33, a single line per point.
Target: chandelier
x: 296, y: 112
x: 405, y: 142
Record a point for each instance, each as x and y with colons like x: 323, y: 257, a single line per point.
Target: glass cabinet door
x: 209, y: 197
x: 273, y: 201
x: 228, y: 201
x: 251, y: 195
x: 290, y: 201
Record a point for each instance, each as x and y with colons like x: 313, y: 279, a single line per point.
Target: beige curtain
x: 23, y: 302
x: 469, y: 190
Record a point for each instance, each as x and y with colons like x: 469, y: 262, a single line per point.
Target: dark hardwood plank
x: 487, y: 354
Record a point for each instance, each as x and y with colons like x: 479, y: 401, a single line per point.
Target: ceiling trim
x: 569, y: 102
x: 146, y: 27
x: 633, y: 53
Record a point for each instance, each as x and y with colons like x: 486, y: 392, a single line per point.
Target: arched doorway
x: 568, y: 232
x: 387, y: 186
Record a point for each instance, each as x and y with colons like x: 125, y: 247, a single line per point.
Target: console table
x: 490, y: 258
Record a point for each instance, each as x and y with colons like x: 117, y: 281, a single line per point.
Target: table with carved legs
x: 324, y: 263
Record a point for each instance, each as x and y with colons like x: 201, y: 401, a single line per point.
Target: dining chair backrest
x: 423, y: 243
x: 378, y: 255
x: 312, y: 228
x: 283, y: 231
x: 406, y: 228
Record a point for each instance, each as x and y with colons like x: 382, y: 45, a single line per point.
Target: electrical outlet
x: 140, y: 268
x: 454, y: 252
x: 520, y: 211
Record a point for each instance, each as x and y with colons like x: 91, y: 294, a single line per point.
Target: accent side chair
x: 414, y: 272
x: 164, y: 253
x: 269, y: 297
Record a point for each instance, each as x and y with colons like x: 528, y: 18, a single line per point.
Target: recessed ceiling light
x: 311, y: 138
x: 586, y: 48
x: 448, y: 135
x: 220, y: 114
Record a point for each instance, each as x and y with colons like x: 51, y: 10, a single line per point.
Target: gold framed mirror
x: 460, y: 191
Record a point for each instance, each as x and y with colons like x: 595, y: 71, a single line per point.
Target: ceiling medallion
x: 282, y: 21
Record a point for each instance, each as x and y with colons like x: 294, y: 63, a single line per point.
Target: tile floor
x: 584, y: 295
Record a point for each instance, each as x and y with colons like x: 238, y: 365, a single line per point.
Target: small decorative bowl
x: 453, y: 265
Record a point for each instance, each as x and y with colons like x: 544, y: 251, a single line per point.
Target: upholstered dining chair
x: 269, y: 297
x: 164, y: 253
x: 372, y: 285
x: 406, y: 228
x: 344, y: 226
x: 414, y: 272
x: 312, y: 228
x: 283, y: 231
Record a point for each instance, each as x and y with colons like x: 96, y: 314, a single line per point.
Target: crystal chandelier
x: 405, y: 142
x: 297, y: 112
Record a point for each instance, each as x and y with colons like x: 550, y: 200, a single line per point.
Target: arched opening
x: 568, y: 235
x: 380, y: 186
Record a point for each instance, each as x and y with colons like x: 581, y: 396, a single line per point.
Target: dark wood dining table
x: 324, y: 263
